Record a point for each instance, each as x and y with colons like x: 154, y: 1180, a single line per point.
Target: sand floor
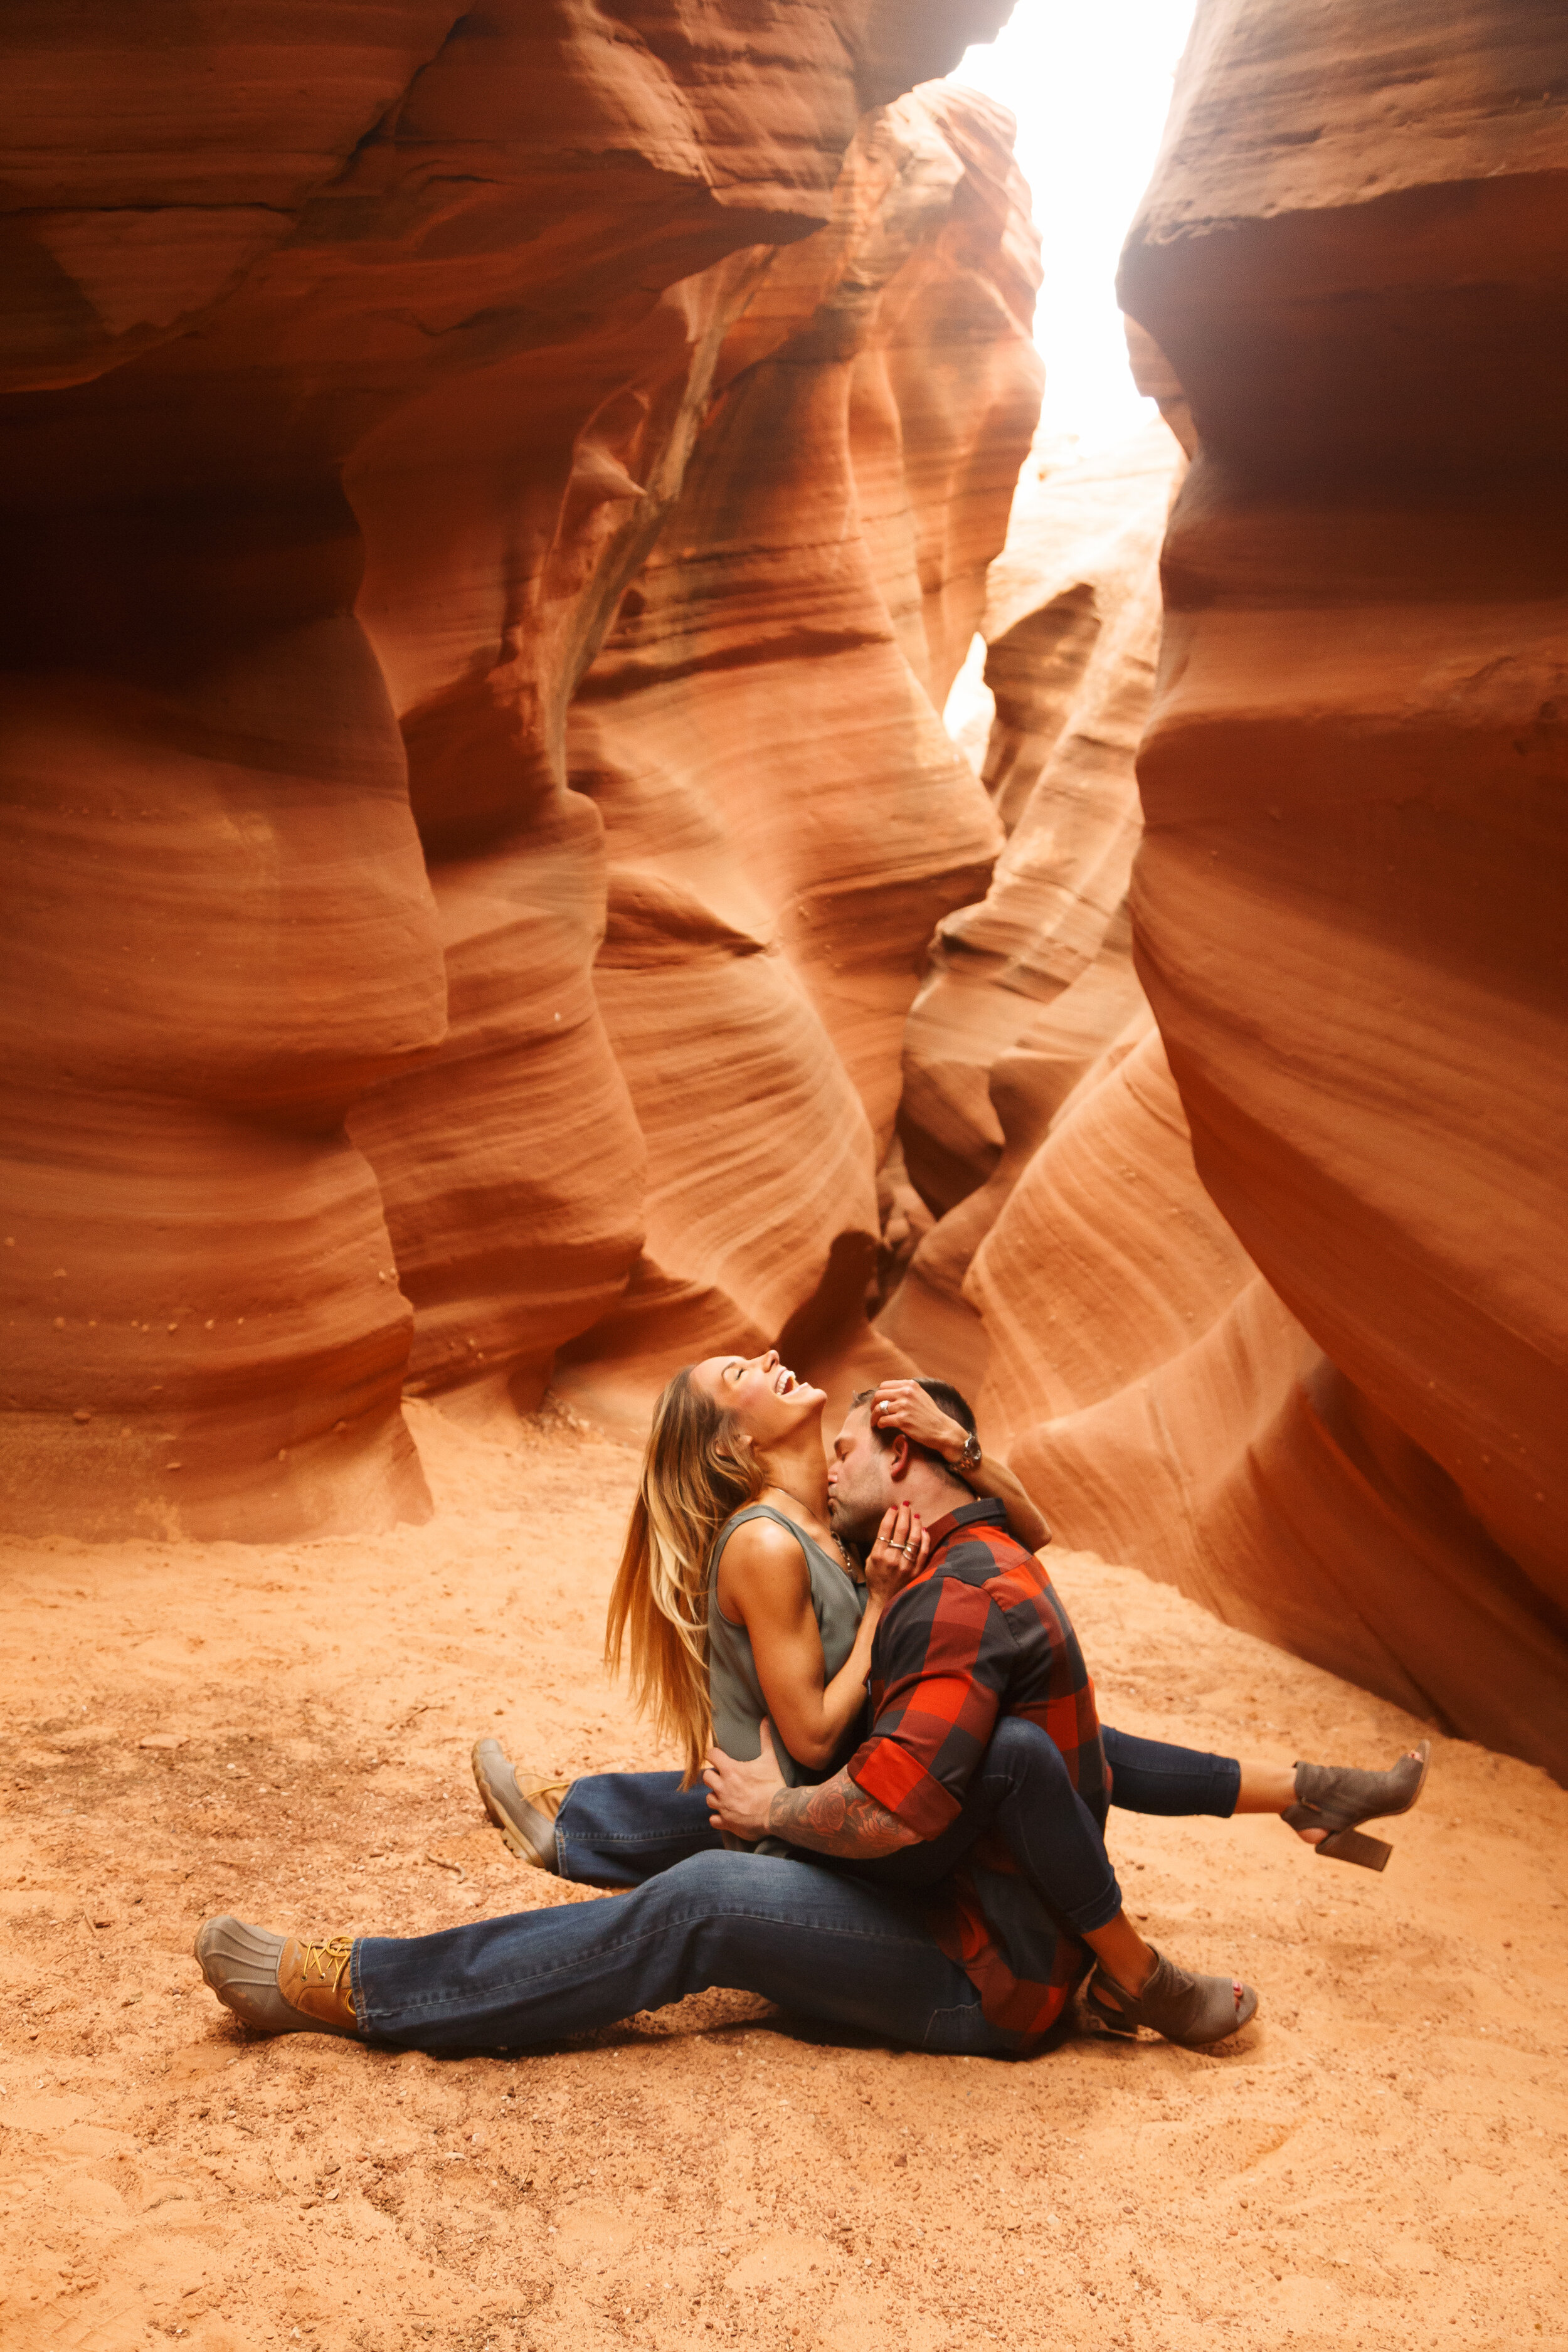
x: 1378, y: 2162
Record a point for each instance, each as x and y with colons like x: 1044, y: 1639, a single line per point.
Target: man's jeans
x: 847, y: 1943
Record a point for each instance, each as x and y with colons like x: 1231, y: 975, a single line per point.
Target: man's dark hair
x: 946, y: 1397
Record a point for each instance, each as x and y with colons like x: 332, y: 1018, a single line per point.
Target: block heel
x: 1355, y: 1846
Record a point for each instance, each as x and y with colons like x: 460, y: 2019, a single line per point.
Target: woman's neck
x: 798, y: 1468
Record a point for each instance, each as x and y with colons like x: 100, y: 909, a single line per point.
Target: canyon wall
x: 1267, y: 1302
x: 1348, y: 904
x: 495, y: 502
x: 353, y: 363
x: 1028, y: 987
x: 784, y: 817
x: 1152, y: 1387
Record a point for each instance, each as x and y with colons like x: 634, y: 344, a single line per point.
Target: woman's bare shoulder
x: 763, y: 1547
x: 762, y: 1571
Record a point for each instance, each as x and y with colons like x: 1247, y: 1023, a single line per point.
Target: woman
x: 736, y: 1598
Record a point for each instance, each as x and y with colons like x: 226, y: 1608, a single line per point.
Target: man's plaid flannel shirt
x: 980, y: 1632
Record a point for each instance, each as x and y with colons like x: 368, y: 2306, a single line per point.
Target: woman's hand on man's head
x: 905, y: 1405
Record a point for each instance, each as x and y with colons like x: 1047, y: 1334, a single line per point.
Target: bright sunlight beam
x: 1089, y: 83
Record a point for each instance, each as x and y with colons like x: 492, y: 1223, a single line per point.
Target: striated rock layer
x: 784, y: 817
x: 1167, y: 1408
x: 1147, y: 1375
x: 352, y: 362
x: 1157, y: 1392
x: 1349, y: 900
x: 1031, y: 986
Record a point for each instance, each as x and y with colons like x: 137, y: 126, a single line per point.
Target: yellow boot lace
x: 531, y: 1790
x: 329, y: 1960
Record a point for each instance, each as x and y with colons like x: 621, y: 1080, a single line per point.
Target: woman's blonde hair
x: 696, y: 1471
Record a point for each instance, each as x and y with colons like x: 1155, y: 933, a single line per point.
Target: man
x: 982, y: 1963
x: 979, y: 1635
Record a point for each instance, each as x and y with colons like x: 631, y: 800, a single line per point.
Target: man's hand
x: 739, y: 1795
x: 905, y: 1405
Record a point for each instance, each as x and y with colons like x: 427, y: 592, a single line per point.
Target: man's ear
x: 899, y: 1459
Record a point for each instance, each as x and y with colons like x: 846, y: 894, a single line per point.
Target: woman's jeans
x: 618, y: 1829
x: 1148, y: 1776
x: 818, y: 1942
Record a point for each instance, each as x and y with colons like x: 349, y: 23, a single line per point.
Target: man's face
x: 859, y: 1480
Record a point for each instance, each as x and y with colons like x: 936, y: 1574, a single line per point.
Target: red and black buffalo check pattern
x: 980, y: 1632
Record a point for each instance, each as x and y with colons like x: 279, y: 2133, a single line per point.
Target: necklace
x: 811, y: 1515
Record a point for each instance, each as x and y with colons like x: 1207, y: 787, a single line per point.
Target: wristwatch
x: 969, y: 1459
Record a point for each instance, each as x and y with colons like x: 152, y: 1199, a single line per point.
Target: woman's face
x: 767, y: 1401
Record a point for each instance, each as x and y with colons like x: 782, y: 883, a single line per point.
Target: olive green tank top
x: 734, y: 1692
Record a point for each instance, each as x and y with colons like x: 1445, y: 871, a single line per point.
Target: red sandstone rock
x: 1071, y: 627
x: 219, y: 931
x: 1160, y: 1396
x: 784, y: 817
x: 1166, y: 1408
x: 1349, y: 901
x: 1029, y: 987
x: 300, y: 298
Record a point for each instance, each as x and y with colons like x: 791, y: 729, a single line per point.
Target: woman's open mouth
x: 784, y: 1382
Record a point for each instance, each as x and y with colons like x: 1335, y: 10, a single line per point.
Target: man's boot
x: 522, y: 1804
x: 278, y: 1984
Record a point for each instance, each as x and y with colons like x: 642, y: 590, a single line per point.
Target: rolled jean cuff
x: 1088, y: 1919
x: 357, y: 1986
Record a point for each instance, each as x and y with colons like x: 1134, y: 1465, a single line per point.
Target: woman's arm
x: 765, y: 1584
x: 904, y: 1404
x: 993, y: 1478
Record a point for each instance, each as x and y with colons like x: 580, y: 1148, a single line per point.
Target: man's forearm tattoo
x: 837, y: 1817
